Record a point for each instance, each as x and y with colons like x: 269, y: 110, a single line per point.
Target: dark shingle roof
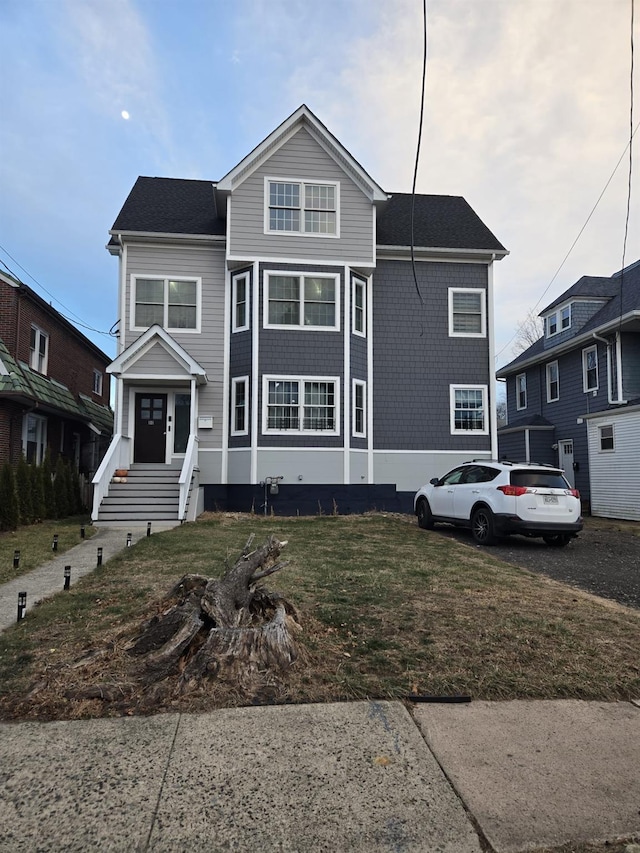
x: 528, y: 421
x: 176, y: 206
x: 622, y: 292
x: 170, y: 206
x: 441, y: 221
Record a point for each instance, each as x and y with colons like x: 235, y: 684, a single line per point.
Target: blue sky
x: 526, y: 116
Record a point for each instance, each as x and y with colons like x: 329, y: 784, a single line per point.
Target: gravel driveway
x: 603, y: 559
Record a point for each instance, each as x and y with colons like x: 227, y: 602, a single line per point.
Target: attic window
x: 300, y: 207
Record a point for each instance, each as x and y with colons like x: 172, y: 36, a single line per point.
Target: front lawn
x: 386, y: 610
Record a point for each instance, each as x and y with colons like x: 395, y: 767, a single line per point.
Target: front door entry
x: 151, y: 428
x: 565, y: 460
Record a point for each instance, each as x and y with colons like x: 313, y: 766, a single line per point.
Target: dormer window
x: 559, y: 321
x: 301, y: 207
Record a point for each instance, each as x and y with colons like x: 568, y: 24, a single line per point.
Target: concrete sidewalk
x: 49, y: 578
x: 362, y: 776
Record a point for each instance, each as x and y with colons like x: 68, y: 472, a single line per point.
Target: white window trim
x: 585, y: 353
x: 301, y: 379
x: 357, y: 282
x: 483, y: 312
x: 40, y: 333
x: 355, y: 383
x: 547, y: 324
x: 237, y: 380
x: 557, y: 314
x: 42, y: 444
x: 520, y: 408
x: 602, y: 449
x: 166, y: 279
x: 295, y: 274
x: 97, y: 381
x: 452, y: 409
x: 234, y: 301
x: 302, y: 233
x: 551, y: 399
x: 564, y: 328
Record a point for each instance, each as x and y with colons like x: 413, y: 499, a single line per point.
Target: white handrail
x: 117, y: 456
x: 186, y: 474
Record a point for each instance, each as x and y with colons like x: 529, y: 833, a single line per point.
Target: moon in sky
x: 125, y: 115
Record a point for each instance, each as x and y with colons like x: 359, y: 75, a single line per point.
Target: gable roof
x: 441, y: 221
x: 157, y: 335
x: 303, y: 117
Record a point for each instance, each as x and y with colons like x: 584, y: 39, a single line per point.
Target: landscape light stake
x: 54, y: 544
x: 99, y: 557
x: 67, y: 577
x: 16, y: 559
x: 22, y: 605
x: 148, y: 528
x: 82, y: 531
x: 128, y: 540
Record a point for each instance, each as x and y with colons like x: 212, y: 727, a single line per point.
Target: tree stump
x: 226, y: 628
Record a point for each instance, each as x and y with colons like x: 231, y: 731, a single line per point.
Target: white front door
x: 565, y: 460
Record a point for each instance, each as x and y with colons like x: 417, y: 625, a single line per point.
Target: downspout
x: 619, y: 368
x: 609, y: 377
x: 492, y: 347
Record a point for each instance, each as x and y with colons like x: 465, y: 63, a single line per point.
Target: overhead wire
x: 630, y: 177
x: 418, y: 145
x: 564, y: 260
x: 75, y: 319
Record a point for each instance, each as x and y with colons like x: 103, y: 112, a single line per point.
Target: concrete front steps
x: 151, y: 493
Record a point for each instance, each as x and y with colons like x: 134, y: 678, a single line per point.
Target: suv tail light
x: 513, y: 491
x: 575, y: 493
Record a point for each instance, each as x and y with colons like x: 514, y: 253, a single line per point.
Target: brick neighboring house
x: 54, y: 388
x: 271, y: 329
x: 573, y: 397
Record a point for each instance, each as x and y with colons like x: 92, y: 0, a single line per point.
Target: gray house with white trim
x: 278, y: 347
x: 573, y: 396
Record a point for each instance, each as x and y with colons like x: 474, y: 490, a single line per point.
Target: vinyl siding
x: 415, y: 360
x: 206, y: 347
x: 158, y: 362
x: 301, y: 158
x: 615, y: 475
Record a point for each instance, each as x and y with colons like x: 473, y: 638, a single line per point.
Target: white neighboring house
x: 614, y: 463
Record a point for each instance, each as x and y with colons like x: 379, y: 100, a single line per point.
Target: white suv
x: 498, y: 498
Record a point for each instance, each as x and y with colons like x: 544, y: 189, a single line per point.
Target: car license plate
x: 550, y: 499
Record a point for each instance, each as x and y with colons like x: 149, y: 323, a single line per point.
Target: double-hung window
x: 239, y: 406
x: 565, y: 317
x: 467, y: 316
x: 359, y: 309
x: 606, y: 437
x: 552, y: 325
x: 469, y: 409
x: 553, y: 382
x: 38, y: 350
x: 173, y: 303
x: 240, y: 297
x: 359, y: 416
x: 301, y: 207
x: 34, y: 438
x: 294, y: 404
x: 590, y: 369
x: 97, y: 382
x: 301, y: 301
x: 521, y: 391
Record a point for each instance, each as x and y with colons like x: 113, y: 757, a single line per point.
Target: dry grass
x: 35, y: 543
x: 386, y: 610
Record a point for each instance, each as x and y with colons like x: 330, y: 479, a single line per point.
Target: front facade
x: 572, y: 395
x: 54, y: 388
x: 274, y: 338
